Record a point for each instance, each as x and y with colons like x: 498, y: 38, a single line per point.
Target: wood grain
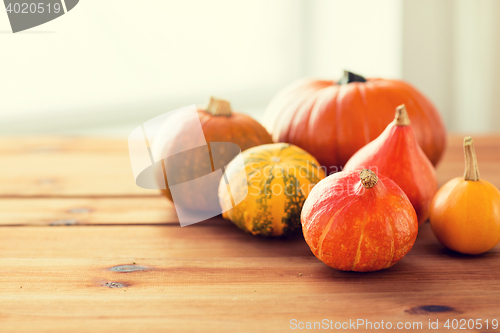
x: 72, y: 222
x: 68, y: 174
x: 215, y: 238
x: 66, y: 167
x: 231, y: 285
x: 232, y: 295
x: 85, y: 211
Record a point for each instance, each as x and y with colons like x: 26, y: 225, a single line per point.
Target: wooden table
x: 83, y: 249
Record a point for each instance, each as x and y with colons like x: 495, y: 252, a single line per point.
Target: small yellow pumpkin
x: 465, y: 213
x: 279, y: 179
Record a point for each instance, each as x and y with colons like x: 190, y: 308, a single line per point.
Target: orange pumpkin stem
x: 219, y: 107
x: 401, y: 117
x: 368, y: 178
x: 471, y: 168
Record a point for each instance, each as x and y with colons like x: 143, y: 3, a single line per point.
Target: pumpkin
x: 219, y: 124
x: 279, y: 179
x: 358, y: 221
x: 465, y: 213
x: 332, y: 120
x: 397, y: 155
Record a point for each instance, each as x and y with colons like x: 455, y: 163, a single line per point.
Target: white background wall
x: 113, y: 62
x: 360, y: 35
x: 109, y: 65
x: 451, y: 51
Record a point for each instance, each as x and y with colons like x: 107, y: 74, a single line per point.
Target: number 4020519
x: 463, y: 324
x: 32, y: 8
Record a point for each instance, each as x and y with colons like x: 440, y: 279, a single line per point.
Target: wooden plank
x: 296, y: 275
x: 98, y: 167
x: 68, y: 166
x: 85, y: 211
x: 215, y: 238
x: 217, y: 278
x: 117, y: 310
x: 68, y: 174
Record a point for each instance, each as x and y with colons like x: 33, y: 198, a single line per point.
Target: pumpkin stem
x: 219, y: 107
x: 471, y: 169
x: 402, y: 118
x: 350, y: 77
x: 368, y: 178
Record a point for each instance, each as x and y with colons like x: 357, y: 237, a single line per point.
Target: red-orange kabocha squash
x: 332, y: 120
x: 219, y: 124
x: 397, y: 155
x: 358, y: 221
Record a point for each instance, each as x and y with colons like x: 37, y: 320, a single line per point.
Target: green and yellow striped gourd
x: 279, y: 179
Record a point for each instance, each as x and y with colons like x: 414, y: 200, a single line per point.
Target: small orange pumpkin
x: 219, y: 124
x: 356, y: 221
x: 465, y: 213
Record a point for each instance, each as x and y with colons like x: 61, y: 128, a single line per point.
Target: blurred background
x: 108, y: 66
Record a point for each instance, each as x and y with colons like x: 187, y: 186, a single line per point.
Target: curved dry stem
x: 471, y: 168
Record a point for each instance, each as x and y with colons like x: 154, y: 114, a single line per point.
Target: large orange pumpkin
x: 332, y: 120
x: 219, y: 124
